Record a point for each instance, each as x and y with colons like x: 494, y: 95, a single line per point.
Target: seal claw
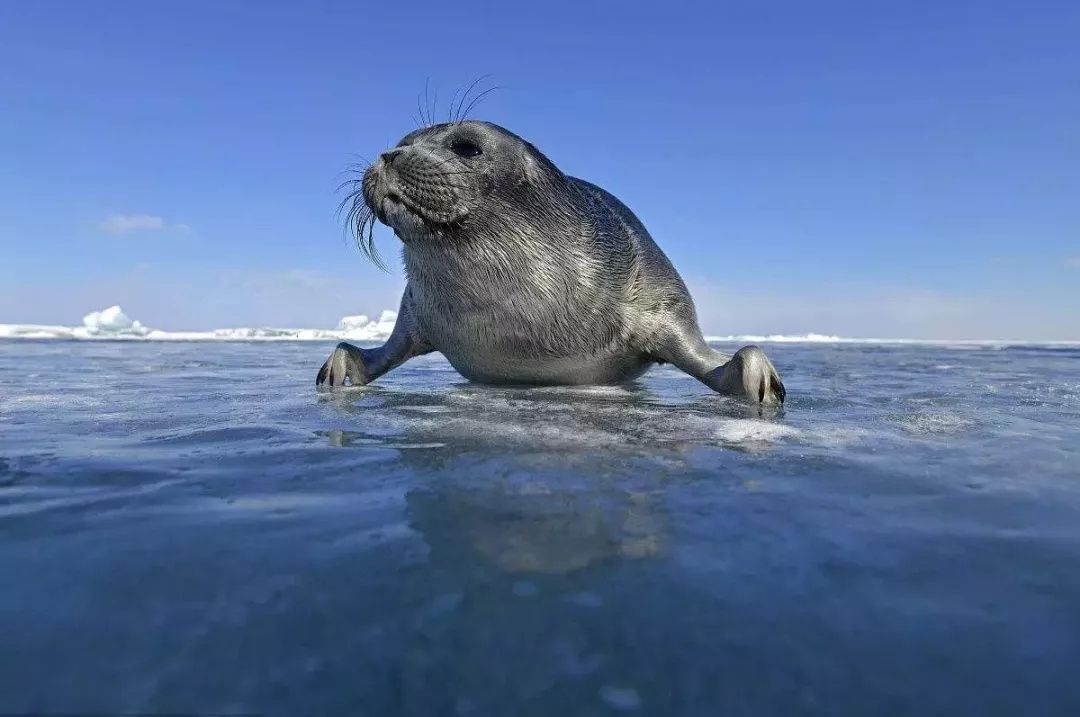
x: 778, y: 389
x: 750, y: 374
x: 346, y: 363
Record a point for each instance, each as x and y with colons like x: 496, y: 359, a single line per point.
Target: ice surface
x: 221, y: 536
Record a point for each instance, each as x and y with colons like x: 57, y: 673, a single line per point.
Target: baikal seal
x: 520, y: 274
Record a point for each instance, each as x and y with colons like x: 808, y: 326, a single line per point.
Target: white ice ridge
x: 113, y: 323
x: 827, y: 339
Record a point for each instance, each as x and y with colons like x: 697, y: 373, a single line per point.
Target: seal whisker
x: 359, y: 164
x: 353, y: 180
x: 420, y: 119
x: 365, y: 236
x: 476, y: 100
x: 450, y: 107
x: 357, y: 168
x: 432, y: 105
x: 427, y: 102
x: 457, y: 116
x: 423, y: 110
x: 348, y: 201
x: 360, y: 221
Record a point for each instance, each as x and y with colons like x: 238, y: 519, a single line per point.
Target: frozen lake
x: 192, y: 527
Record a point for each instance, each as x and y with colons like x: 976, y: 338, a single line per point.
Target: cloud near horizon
x: 120, y: 224
x: 1073, y: 262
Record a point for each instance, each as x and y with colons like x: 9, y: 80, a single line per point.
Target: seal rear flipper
x: 750, y: 374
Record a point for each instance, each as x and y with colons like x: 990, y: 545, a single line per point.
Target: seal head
x: 438, y: 178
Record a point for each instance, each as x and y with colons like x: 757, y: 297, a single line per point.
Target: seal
x: 520, y: 274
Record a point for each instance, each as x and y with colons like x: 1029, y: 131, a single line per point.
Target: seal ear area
x: 535, y: 166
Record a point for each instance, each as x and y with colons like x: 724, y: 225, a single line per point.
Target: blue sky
x: 856, y: 168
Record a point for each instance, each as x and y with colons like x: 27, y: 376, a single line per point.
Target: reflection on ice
x: 538, y: 529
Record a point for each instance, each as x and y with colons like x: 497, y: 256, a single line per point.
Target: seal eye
x: 464, y: 148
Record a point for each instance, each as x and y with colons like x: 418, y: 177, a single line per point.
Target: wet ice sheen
x: 193, y: 528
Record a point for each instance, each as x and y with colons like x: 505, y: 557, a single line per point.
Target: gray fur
x: 518, y: 273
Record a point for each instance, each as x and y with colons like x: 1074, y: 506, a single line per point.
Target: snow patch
x: 360, y: 328
x: 745, y: 430
x: 113, y: 323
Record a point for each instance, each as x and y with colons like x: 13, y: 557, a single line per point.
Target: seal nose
x: 388, y: 156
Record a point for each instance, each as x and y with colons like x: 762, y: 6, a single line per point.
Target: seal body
x: 534, y: 310
x: 518, y: 273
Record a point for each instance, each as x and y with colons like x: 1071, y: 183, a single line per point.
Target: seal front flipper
x: 346, y: 362
x: 362, y: 366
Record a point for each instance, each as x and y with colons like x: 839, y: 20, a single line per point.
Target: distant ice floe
x: 113, y: 324
x: 110, y: 323
x: 780, y: 338
x: 827, y: 339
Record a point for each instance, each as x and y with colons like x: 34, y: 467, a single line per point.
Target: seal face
x: 518, y: 273
x: 411, y: 189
